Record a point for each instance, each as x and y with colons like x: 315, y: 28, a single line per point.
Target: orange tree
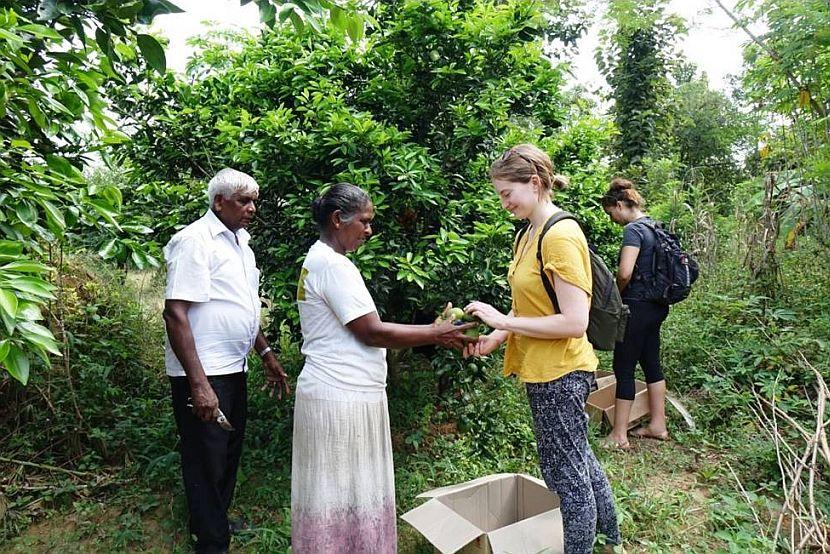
x: 414, y: 113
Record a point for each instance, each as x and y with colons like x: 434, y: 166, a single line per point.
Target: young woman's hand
x: 486, y: 344
x: 487, y: 313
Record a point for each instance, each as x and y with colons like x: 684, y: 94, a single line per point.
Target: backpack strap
x: 553, y: 220
x: 518, y: 238
x: 654, y: 225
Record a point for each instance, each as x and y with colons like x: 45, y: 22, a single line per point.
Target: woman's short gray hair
x: 229, y: 181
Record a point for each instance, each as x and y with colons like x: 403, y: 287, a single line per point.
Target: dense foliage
x: 415, y: 116
x: 414, y: 110
x: 636, y: 59
x: 55, y: 59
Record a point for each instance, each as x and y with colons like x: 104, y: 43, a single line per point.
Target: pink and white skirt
x: 342, y: 475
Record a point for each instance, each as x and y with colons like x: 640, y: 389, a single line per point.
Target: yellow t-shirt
x: 564, y: 252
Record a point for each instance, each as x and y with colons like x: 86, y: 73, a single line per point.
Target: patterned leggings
x: 568, y: 464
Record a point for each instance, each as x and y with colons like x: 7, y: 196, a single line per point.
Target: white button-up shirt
x: 215, y: 269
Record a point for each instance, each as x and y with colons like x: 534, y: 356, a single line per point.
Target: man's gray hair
x: 229, y: 181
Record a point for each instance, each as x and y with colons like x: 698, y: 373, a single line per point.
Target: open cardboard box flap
x: 439, y: 524
x: 516, y: 512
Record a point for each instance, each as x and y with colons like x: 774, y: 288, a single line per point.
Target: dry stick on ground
x: 807, y: 524
x: 44, y: 466
x: 746, y: 496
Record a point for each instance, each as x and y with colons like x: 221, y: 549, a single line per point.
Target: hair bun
x: 560, y: 182
x: 619, y: 184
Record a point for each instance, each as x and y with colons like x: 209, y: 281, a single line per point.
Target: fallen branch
x: 798, y: 452
x: 47, y: 467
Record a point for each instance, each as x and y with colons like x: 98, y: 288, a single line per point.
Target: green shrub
x: 415, y: 118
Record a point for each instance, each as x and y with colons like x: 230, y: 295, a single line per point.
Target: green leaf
x: 37, y: 114
x: 29, y: 311
x: 152, y: 8
x: 296, y: 19
x: 26, y: 213
x: 5, y: 346
x: 20, y: 143
x: 54, y: 217
x: 15, y: 41
x: 112, y: 194
x: 338, y: 18
x: 8, y: 302
x: 109, y: 250
x: 355, y: 27
x: 41, y: 31
x: 26, y: 267
x: 102, y: 38
x: 267, y: 13
x: 17, y: 364
x: 39, y: 335
x: 136, y: 228
x: 64, y: 167
x: 106, y: 210
x: 10, y: 248
x: 139, y: 259
x: 32, y: 285
x: 152, y: 52
x: 9, y: 322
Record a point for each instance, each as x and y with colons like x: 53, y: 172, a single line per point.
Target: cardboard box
x: 600, y: 405
x: 497, y: 514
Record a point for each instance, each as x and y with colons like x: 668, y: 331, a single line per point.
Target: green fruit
x: 473, y: 332
x: 456, y: 314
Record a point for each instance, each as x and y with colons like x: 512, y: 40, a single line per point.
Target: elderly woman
x: 342, y: 478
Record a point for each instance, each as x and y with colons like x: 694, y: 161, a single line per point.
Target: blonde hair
x: 622, y: 190
x: 520, y: 163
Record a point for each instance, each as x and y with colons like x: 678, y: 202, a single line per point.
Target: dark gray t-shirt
x: 638, y: 234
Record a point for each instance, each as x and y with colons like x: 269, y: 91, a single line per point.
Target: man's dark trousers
x: 210, y: 457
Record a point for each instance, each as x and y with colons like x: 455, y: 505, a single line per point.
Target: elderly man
x: 211, y: 312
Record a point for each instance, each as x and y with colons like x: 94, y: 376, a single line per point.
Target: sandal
x: 645, y: 433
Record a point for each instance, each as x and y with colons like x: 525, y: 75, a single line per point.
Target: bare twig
x: 44, y: 466
x: 746, y: 496
x: 806, y: 523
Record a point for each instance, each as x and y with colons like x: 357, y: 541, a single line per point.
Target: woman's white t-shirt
x: 330, y: 294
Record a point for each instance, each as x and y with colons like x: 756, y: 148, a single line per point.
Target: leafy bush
x: 415, y: 118
x: 105, y: 402
x: 53, y: 81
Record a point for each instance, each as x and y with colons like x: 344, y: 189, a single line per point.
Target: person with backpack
x: 547, y: 346
x: 638, y: 282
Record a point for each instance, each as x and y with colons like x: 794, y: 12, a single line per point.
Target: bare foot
x: 649, y: 433
x: 612, y: 442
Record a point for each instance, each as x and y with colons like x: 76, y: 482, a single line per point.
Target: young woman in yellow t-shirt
x: 549, y: 351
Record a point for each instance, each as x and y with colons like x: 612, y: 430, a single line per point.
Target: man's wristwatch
x: 264, y: 351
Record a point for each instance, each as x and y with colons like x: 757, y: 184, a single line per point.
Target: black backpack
x: 673, y: 271
x: 608, y: 315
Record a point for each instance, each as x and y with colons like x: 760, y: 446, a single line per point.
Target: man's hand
x: 450, y: 335
x: 205, y: 402
x: 275, y: 377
